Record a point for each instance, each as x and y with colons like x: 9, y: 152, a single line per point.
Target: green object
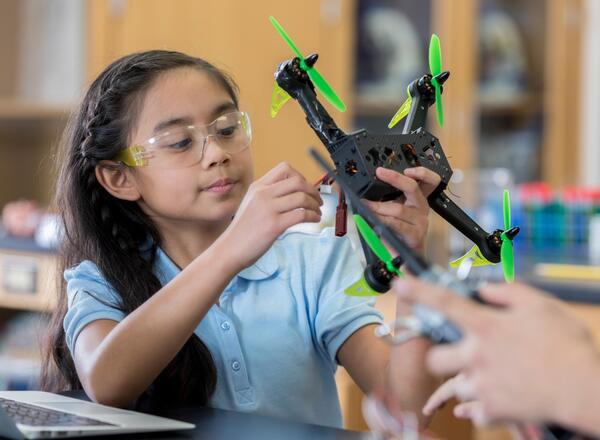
x: 278, y: 98
x: 435, y: 67
x: 361, y: 288
x: 506, y: 250
x: 402, y: 111
x: 313, y: 74
x: 375, y: 243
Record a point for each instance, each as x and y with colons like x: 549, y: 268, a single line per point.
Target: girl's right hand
x: 280, y: 199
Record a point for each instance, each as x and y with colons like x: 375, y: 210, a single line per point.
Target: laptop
x: 37, y: 414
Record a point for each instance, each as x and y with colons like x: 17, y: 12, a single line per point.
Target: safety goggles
x: 184, y: 146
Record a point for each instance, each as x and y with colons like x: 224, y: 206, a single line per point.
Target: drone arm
x: 318, y: 118
x: 451, y: 212
x: 417, y: 115
x: 298, y: 86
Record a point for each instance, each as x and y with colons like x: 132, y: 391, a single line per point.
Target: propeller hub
x: 311, y: 59
x: 512, y: 232
x: 378, y: 277
x: 442, y: 77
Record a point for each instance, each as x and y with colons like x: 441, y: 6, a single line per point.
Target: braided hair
x: 110, y: 231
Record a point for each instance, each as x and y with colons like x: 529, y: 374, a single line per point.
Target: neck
x: 183, y: 242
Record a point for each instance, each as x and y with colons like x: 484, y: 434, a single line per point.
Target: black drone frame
x: 357, y: 155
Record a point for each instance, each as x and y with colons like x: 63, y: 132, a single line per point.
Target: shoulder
x: 84, y: 270
x: 87, y: 277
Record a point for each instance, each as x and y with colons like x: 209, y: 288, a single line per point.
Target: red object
x: 341, y: 216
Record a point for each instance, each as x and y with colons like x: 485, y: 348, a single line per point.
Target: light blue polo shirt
x: 275, y: 335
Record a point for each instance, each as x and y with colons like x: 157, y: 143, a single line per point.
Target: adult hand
x: 529, y: 360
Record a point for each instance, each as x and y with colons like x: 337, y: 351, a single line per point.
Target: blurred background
x: 519, y: 107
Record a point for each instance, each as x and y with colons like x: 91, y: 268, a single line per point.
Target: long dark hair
x: 109, y: 231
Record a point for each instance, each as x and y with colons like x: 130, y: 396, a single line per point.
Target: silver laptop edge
x: 125, y: 421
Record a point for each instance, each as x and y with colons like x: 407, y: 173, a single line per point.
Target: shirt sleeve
x: 339, y: 315
x: 90, y: 298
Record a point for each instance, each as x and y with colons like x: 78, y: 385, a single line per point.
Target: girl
x: 179, y: 283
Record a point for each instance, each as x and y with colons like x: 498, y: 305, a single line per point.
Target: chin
x: 224, y: 212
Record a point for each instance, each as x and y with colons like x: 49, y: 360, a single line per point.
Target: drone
x: 358, y: 154
x: 423, y: 320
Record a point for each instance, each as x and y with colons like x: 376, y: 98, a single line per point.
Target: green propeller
x: 435, y: 67
x: 361, y: 287
x: 507, y: 258
x: 506, y: 250
x: 316, y: 78
x: 375, y: 243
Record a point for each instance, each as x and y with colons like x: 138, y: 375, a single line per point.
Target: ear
x: 118, y: 180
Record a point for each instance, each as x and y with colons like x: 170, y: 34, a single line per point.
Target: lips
x: 220, y: 185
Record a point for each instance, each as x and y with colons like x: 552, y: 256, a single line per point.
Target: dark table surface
x: 217, y: 424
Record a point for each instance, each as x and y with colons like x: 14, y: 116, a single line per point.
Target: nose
x: 212, y: 153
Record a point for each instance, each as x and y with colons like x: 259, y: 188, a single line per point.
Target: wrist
x: 222, y: 259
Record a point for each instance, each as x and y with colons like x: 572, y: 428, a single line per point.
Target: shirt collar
x: 265, y: 267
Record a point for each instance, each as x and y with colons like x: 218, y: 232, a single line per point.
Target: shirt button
x: 235, y: 366
x: 225, y: 325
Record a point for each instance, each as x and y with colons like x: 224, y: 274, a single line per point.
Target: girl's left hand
x: 409, y: 215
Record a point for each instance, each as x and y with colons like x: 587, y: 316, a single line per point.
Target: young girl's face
x: 212, y: 189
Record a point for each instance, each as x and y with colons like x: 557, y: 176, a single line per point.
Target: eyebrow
x: 187, y: 120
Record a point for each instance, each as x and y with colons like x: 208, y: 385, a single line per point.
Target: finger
x: 439, y: 397
x: 464, y: 388
x: 407, y: 185
x: 498, y: 294
x: 281, y: 171
x: 479, y: 416
x: 409, y: 214
x: 296, y: 200
x: 462, y: 311
x: 295, y: 183
x: 428, y: 179
x: 410, y: 234
x: 468, y: 410
x: 448, y: 360
x: 296, y: 216
x: 512, y: 294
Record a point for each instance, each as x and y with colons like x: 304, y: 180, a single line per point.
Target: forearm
x: 410, y: 382
x: 137, y: 349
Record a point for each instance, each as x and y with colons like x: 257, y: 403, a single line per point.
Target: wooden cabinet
x: 238, y: 37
